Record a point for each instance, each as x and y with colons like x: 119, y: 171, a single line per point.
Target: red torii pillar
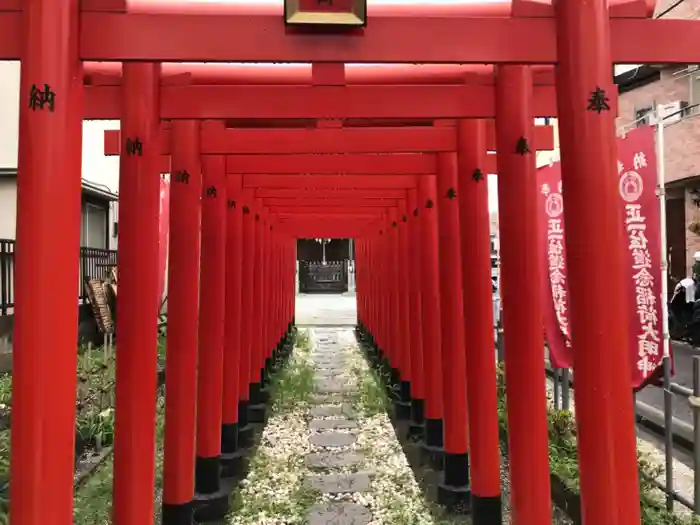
x: 596, y: 267
x: 403, y: 403
x: 415, y: 317
x: 453, y: 491
x: 245, y: 432
x: 257, y: 408
x: 394, y: 282
x: 433, y: 442
x: 478, y: 323
x: 523, y: 336
x: 211, y: 500
x: 48, y: 202
x: 183, y: 307
x: 231, y: 451
x: 137, y: 309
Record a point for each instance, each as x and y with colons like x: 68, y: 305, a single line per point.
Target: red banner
x: 163, y: 231
x: 639, y: 204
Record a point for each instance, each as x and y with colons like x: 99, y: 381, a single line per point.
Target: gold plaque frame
x: 357, y: 17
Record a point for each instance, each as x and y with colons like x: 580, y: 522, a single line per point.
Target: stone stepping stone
x: 324, y: 399
x: 331, y: 411
x: 340, y: 483
x: 333, y: 459
x: 332, y: 424
x: 335, y: 387
x: 339, y: 514
x: 332, y: 439
x: 325, y: 373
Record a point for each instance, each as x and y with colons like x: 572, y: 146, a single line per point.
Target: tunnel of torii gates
x: 406, y: 153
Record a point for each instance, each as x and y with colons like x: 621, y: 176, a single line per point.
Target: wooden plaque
x: 338, y: 13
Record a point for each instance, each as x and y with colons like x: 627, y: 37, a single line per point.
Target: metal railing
x: 94, y: 262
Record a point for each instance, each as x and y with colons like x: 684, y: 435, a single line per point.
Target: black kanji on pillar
x: 39, y: 98
x: 134, y: 147
x: 598, y: 101
x: 231, y: 204
x: 429, y: 204
x: 451, y: 193
x: 182, y: 176
x: 478, y: 175
x: 522, y: 147
x: 211, y: 192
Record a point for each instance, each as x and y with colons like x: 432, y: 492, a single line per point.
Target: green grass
x: 371, y: 398
x: 294, y: 384
x: 93, y: 500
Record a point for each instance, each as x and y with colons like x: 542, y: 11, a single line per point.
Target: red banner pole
x: 231, y: 452
x: 137, y: 309
x: 520, y: 284
x: 415, y: 316
x: 183, y: 307
x: 433, y: 442
x: 453, y: 491
x: 597, y: 266
x: 477, y: 296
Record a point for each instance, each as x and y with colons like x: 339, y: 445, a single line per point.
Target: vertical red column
x: 183, y: 306
x: 520, y: 277
x: 416, y: 325
x: 139, y: 301
x: 231, y: 452
x: 403, y: 405
x: 478, y: 323
x: 256, y: 409
x: 211, y: 501
x: 393, y: 297
x: 433, y: 442
x: 47, y: 261
x: 453, y: 492
x: 596, y: 265
x: 245, y: 431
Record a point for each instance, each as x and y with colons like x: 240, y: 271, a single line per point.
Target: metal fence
x: 318, y: 276
x: 94, y: 262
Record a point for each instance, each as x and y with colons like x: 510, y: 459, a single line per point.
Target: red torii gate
x: 54, y: 38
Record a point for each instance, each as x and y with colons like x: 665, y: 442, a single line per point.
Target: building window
x: 93, y: 226
x: 644, y: 116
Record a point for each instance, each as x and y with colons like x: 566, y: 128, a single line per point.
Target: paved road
x: 683, y: 355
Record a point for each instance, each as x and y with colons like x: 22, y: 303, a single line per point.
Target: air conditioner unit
x: 673, y: 111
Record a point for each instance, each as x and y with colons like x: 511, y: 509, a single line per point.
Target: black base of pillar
x: 456, y: 469
x: 264, y: 376
x: 405, y: 391
x: 245, y: 436
x: 212, y: 507
x: 395, y: 376
x: 233, y: 465
x: 206, y: 475
x: 416, y: 428
x: 402, y: 410
x: 254, y: 394
x: 264, y: 395
x: 456, y: 500
x: 177, y: 514
x: 432, y: 450
x: 257, y: 413
x: 229, y: 438
x: 453, y: 492
x: 485, y: 510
